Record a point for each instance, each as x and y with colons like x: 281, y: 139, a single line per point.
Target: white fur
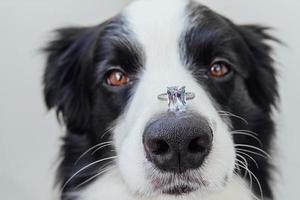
x: 158, y: 25
x: 111, y: 187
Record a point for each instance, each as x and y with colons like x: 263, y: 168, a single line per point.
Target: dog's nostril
x: 198, y: 145
x: 159, y: 147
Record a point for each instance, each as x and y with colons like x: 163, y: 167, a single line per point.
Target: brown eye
x: 117, y: 78
x: 219, y: 69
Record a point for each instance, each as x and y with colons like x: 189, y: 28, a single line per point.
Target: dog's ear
x: 262, y: 82
x: 68, y: 75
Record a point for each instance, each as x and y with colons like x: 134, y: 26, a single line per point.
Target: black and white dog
x: 127, y: 139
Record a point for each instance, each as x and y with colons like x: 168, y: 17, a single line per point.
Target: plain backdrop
x: 29, y: 135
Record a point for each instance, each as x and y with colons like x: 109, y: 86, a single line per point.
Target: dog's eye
x: 117, y: 78
x: 219, y: 69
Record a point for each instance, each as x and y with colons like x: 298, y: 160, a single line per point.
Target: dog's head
x: 109, y: 81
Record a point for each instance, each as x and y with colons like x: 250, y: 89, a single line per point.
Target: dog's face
x: 105, y: 81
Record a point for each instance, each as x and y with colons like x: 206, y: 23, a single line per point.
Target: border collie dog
x: 166, y: 100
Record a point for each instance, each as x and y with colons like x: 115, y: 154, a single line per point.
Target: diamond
x: 176, y: 98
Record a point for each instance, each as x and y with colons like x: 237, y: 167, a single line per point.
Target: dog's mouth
x: 177, y: 184
x: 179, y: 190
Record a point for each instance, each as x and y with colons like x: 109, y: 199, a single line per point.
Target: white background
x: 29, y: 136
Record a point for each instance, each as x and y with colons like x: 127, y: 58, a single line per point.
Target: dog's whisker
x: 105, y: 169
x: 253, y: 148
x: 247, y: 131
x: 243, y: 158
x: 245, y: 164
x: 252, y: 152
x: 106, y: 132
x: 251, y: 174
x: 247, y: 172
x: 247, y: 134
x: 101, y: 147
x: 252, y: 194
x: 243, y: 153
x: 227, y: 113
x: 90, y: 149
x: 258, y: 183
x: 245, y: 161
x: 85, y: 167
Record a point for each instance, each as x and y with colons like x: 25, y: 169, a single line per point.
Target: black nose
x: 177, y: 142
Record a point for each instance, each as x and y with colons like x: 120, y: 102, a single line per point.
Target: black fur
x: 79, y: 58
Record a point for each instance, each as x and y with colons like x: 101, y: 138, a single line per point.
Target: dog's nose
x: 177, y: 142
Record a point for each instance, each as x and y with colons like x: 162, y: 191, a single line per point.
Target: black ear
x: 261, y: 81
x: 68, y: 75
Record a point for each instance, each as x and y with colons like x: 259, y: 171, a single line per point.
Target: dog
x: 166, y: 100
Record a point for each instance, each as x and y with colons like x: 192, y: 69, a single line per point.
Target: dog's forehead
x: 148, y: 15
x: 158, y: 24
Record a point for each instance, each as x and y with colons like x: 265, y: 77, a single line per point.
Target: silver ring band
x: 164, y: 96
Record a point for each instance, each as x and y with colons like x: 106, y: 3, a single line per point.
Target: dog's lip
x: 179, y: 190
x: 170, y: 188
